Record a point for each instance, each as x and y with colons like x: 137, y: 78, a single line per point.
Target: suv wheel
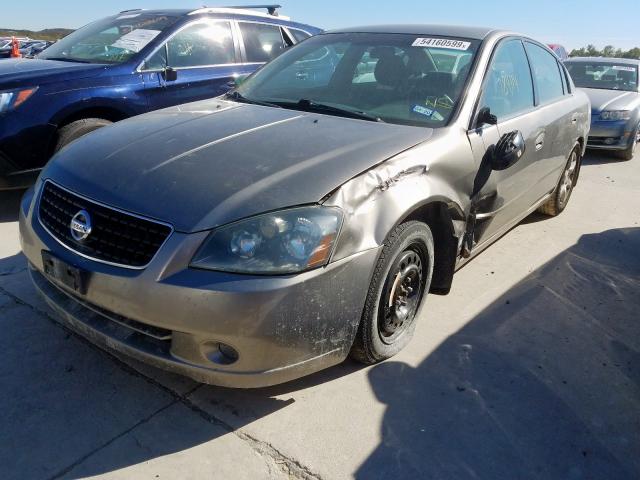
x: 560, y: 196
x: 77, y: 129
x: 401, y: 279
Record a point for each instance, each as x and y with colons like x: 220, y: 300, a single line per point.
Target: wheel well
x: 438, y: 217
x: 106, y: 113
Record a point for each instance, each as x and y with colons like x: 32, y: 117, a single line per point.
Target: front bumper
x: 611, y: 135
x: 282, y: 327
x: 25, y: 147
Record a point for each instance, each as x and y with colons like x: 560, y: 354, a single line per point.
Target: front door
x: 203, y: 61
x: 500, y: 197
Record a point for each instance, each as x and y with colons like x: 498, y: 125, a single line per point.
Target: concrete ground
x: 529, y: 369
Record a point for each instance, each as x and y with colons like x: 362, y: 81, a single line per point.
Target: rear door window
x: 508, y: 88
x: 546, y: 73
x: 262, y: 42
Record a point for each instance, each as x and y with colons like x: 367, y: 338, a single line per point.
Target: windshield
x: 395, y: 78
x: 604, y: 75
x: 111, y: 40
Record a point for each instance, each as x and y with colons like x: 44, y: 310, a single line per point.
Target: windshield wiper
x: 238, y: 97
x: 313, y: 106
x: 65, y: 59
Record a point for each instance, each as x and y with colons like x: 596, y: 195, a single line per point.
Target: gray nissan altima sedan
x: 258, y: 237
x: 613, y: 88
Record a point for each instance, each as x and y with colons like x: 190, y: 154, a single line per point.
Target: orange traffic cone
x: 15, y: 48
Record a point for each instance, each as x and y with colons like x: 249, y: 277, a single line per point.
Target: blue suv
x: 125, y: 65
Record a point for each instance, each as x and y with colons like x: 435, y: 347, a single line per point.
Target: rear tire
x: 562, y: 193
x: 400, y: 282
x: 77, y: 129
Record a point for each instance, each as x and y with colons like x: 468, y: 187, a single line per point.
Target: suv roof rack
x: 272, y: 10
x: 131, y: 10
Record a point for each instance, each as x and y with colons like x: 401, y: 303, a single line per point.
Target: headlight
x: 615, y: 115
x: 14, y: 98
x: 284, y: 242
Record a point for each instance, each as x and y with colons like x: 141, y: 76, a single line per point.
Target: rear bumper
x: 175, y: 317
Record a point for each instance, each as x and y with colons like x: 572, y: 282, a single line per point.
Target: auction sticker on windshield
x: 136, y: 40
x: 442, y: 43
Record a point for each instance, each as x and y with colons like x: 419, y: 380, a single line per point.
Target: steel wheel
x: 400, y: 281
x: 402, y: 293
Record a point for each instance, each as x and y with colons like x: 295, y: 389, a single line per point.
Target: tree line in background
x: 608, y: 51
x: 51, y: 34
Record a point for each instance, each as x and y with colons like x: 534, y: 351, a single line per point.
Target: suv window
x: 198, y: 45
x: 111, y: 40
x: 261, y: 42
x: 508, y: 89
x: 299, y: 35
x: 546, y: 73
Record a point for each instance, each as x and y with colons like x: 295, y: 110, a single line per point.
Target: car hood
x: 208, y: 163
x: 611, y: 99
x: 28, y: 72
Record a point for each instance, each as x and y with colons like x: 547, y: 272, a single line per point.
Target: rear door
x: 558, y: 119
x: 205, y: 57
x: 502, y: 196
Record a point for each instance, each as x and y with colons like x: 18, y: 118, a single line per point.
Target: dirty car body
x: 260, y: 217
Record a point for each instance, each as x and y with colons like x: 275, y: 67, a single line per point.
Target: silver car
x: 612, y: 86
x: 258, y: 237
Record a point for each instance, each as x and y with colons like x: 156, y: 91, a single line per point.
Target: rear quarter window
x: 299, y: 35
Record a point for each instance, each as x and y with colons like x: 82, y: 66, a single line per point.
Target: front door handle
x: 539, y: 142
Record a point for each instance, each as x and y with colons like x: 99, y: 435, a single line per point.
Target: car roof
x: 227, y: 12
x: 628, y: 61
x: 476, y: 33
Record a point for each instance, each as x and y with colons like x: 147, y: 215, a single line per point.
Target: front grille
x: 116, y: 237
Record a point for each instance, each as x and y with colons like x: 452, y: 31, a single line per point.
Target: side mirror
x: 170, y: 74
x: 508, y: 150
x: 485, y: 117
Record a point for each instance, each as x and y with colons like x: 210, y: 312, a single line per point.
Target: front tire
x: 77, y: 129
x: 400, y: 282
x: 631, y: 150
x: 562, y: 193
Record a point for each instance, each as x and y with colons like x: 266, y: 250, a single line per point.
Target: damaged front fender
x: 436, y: 174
